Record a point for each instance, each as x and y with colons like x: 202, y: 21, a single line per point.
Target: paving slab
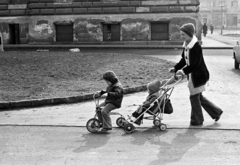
x: 229, y: 36
x: 210, y: 41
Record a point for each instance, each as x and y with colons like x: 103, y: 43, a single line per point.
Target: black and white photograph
x: 119, y: 82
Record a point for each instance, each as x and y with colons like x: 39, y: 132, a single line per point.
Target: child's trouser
x: 139, y: 112
x: 104, y: 118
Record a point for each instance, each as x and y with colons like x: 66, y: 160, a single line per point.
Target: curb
x: 56, y: 101
x: 11, y: 47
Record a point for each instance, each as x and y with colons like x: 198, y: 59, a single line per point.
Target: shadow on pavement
x: 168, y: 152
x: 174, y: 151
x: 212, y: 126
x: 91, y: 141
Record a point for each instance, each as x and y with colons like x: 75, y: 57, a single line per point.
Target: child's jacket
x: 114, y: 94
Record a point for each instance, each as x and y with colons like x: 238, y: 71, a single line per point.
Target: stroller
x: 156, y: 109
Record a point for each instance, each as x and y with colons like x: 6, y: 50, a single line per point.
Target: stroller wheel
x: 129, y: 128
x: 93, y: 125
x: 162, y: 127
x: 121, y: 122
x: 157, y: 122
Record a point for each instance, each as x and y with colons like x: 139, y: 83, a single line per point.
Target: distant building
x: 96, y: 21
x: 221, y: 13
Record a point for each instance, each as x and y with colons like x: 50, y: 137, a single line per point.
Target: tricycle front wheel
x: 93, y: 125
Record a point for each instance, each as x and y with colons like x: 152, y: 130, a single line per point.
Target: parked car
x: 236, y: 55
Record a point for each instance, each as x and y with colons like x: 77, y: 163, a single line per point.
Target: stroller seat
x: 161, y: 105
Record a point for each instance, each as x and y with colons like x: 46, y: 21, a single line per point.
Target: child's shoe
x: 104, y: 130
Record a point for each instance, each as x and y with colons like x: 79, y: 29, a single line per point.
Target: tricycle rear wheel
x: 121, y: 122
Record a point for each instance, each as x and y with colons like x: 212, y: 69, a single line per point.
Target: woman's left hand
x: 172, y: 70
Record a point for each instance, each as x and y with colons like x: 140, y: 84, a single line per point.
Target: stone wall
x: 37, y: 18
x: 73, y: 7
x: 89, y: 29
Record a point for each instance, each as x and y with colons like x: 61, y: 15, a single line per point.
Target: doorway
x: 64, y: 33
x: 14, y: 37
x: 111, y: 32
x: 159, y: 31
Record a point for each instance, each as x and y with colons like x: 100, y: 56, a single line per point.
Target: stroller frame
x: 156, y: 117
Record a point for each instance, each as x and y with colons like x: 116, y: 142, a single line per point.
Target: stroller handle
x: 173, y: 84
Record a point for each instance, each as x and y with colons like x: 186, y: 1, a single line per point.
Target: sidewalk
x: 208, y: 43
x: 75, y: 115
x: 222, y: 92
x: 229, y: 37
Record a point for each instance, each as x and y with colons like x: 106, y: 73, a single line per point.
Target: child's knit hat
x: 154, y: 86
x: 110, y: 76
x: 189, y: 29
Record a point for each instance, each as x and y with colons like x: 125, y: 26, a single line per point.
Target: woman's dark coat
x: 197, y: 67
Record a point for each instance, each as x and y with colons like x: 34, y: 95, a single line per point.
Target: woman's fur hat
x: 189, y: 29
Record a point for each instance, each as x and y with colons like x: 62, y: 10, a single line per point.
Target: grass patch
x: 37, y: 75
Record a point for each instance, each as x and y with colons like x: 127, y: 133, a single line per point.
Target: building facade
x: 224, y: 13
x: 96, y: 21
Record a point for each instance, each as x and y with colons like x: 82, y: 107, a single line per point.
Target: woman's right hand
x: 172, y: 70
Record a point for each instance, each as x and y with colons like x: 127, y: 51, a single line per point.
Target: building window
x: 64, y: 33
x: 210, y: 4
x: 232, y: 20
x: 222, y: 3
x: 160, y: 31
x: 111, y: 32
x: 205, y: 20
x: 234, y: 3
x: 214, y: 4
x: 217, y: 19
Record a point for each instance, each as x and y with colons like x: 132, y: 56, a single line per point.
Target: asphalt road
x: 56, y: 135
x: 75, y: 146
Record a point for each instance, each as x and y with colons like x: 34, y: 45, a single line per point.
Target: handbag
x: 168, y: 109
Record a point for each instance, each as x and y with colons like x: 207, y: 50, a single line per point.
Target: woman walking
x: 193, y: 66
